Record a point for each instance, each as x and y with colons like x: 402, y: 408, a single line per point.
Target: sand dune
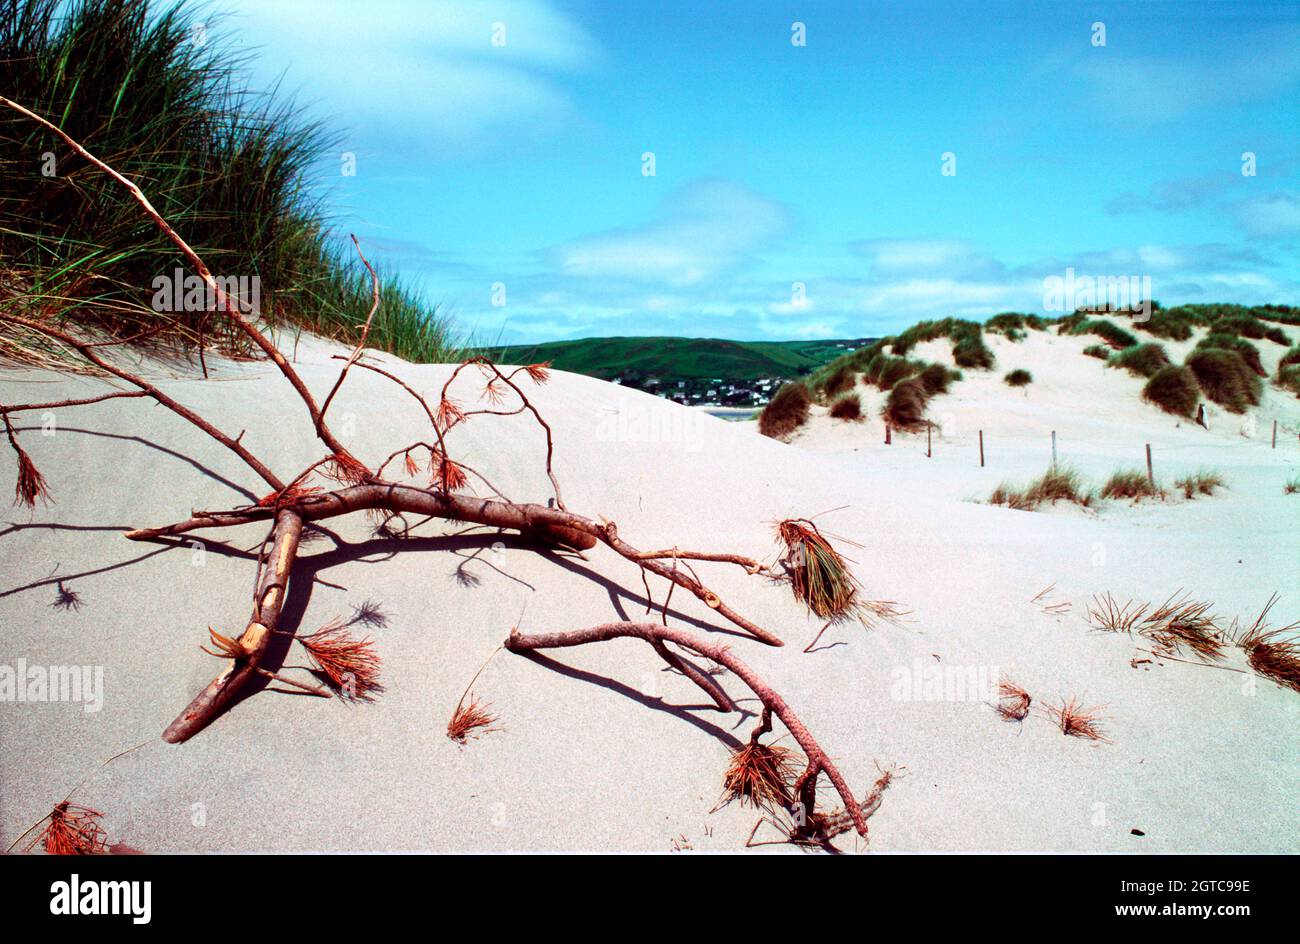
x: 599, y: 747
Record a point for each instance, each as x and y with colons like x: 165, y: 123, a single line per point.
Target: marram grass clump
x: 1174, y: 390
x: 1131, y: 483
x: 785, y: 412
x: 819, y: 575
x: 1018, y: 378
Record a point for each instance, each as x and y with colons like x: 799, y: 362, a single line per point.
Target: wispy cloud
x: 423, y: 72
x: 699, y: 232
x: 1137, y: 86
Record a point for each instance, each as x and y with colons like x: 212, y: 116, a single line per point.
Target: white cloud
x: 1270, y: 215
x: 421, y: 74
x: 1147, y: 87
x: 697, y: 233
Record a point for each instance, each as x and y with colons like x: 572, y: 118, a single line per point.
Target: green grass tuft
x: 785, y: 412
x: 1143, y: 360
x: 1225, y: 378
x: 1131, y: 483
x: 1018, y: 378
x: 230, y: 170
x: 1174, y: 390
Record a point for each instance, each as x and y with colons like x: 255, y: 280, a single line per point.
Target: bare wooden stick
x: 253, y: 641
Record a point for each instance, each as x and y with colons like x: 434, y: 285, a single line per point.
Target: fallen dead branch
x: 339, y: 483
x: 804, y: 789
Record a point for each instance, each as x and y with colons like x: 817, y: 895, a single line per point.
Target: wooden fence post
x: 1053, y: 449
x: 981, y: 448
x: 930, y: 426
x: 888, y: 440
x: 1151, y: 476
x: 1275, y: 434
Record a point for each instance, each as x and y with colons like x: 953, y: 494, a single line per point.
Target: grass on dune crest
x: 1174, y: 390
x: 1203, y: 482
x: 232, y: 170
x: 847, y: 407
x: 1131, y: 483
x: 1059, y: 483
x: 785, y: 412
x: 1225, y: 378
x: 1142, y: 360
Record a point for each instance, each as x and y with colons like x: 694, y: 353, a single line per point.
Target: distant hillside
x: 671, y: 359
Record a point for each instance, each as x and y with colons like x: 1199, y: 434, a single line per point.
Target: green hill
x: 679, y: 358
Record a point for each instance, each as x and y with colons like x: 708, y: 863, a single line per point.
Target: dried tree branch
x: 818, y: 761
x: 271, y: 592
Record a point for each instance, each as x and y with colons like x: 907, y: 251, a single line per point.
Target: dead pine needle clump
x: 473, y: 719
x: 761, y: 774
x: 1013, y: 701
x: 1076, y: 721
x: 72, y: 830
x: 350, y: 666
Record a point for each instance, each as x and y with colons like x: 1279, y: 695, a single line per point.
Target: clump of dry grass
x: 905, y: 407
x: 1107, y: 613
x: 1131, y: 483
x: 1201, y: 483
x: 1292, y: 486
x: 1173, y: 626
x: 1013, y: 701
x: 847, y: 407
x: 1076, y: 721
x: 785, y: 412
x: 819, y: 575
x: 1058, y: 483
x: 1273, y: 653
x: 1179, y: 624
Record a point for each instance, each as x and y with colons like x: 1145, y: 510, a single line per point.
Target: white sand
x: 596, y: 750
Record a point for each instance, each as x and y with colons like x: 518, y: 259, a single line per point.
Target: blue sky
x: 481, y: 165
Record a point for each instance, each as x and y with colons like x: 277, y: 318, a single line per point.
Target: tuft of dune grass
x: 1226, y: 378
x: 905, y: 406
x: 1131, y: 483
x: 1174, y: 390
x: 1142, y: 360
x: 1203, y: 482
x: 785, y: 412
x: 847, y: 407
x: 1059, y: 483
x: 1018, y: 378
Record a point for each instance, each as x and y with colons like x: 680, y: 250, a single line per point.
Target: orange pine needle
x: 72, y: 830
x: 470, y: 721
x: 761, y: 774
x: 351, y: 665
x: 450, y: 476
x: 1076, y: 721
x: 1014, y: 701
x: 539, y: 372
